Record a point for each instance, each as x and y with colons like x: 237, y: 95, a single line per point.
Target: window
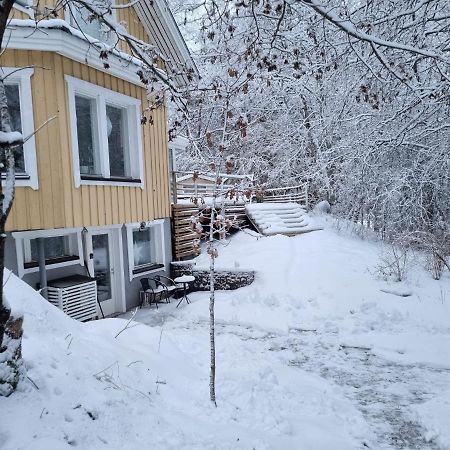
x: 117, y: 143
x: 20, y: 107
x: 106, y: 135
x: 145, y: 247
x: 13, y: 99
x: 57, y: 249
x: 88, y: 150
x: 83, y: 19
x: 61, y: 248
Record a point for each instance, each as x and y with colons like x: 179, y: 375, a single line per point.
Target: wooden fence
x: 294, y: 194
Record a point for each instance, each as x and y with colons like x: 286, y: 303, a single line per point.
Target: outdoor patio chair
x: 170, y: 285
x: 151, y: 292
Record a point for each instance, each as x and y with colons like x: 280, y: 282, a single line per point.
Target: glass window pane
x: 54, y: 247
x: 84, y: 21
x: 87, y: 138
x: 118, y: 154
x: 13, y: 99
x: 142, y: 247
x: 102, y: 266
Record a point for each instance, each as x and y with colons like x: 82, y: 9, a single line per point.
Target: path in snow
x: 382, y: 390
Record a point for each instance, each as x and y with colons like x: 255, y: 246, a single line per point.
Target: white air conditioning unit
x: 75, y: 295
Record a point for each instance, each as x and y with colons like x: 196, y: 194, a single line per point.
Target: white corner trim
x: 121, y: 270
x: 134, y: 132
x: 160, y: 253
x: 22, y: 77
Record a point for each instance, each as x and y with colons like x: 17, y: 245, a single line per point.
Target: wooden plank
x: 63, y: 122
x: 43, y: 156
x: 85, y: 205
x: 91, y: 203
x: 112, y: 204
x: 165, y: 165
x: 74, y: 69
x: 54, y: 143
x: 155, y: 161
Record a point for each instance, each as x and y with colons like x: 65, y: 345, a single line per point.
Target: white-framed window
x: 81, y: 18
x: 62, y: 247
x: 145, y: 247
x: 106, y: 135
x: 20, y: 107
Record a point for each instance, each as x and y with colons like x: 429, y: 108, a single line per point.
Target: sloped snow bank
x: 89, y: 390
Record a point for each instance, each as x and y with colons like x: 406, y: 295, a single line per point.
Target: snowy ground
x: 319, y: 353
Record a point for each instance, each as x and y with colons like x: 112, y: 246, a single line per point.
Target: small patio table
x: 185, y: 280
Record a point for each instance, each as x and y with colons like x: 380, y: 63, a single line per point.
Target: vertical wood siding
x: 57, y: 203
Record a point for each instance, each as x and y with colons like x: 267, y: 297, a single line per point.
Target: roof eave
x: 160, y: 24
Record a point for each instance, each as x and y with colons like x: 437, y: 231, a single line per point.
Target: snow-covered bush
x: 395, y: 261
x: 11, y: 365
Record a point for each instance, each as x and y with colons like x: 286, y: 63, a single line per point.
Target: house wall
x: 131, y: 288
x: 57, y: 203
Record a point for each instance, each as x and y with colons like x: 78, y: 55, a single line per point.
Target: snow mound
x: 88, y: 389
x: 85, y: 387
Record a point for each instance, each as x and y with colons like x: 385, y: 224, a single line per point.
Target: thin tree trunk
x: 212, y: 333
x: 212, y: 343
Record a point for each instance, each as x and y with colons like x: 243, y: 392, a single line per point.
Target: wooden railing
x: 294, y: 194
x: 188, y: 188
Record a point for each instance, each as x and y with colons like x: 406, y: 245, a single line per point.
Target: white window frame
x: 22, y: 77
x: 159, y: 246
x: 23, y: 247
x: 133, y: 132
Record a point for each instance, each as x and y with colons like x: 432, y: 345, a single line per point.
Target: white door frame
x: 116, y: 262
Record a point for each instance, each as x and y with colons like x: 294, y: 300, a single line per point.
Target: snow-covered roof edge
x: 162, y: 27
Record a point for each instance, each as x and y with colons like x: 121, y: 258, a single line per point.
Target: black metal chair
x: 150, y: 292
x: 170, y: 286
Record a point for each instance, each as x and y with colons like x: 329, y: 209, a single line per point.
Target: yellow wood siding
x: 57, y: 203
x: 16, y: 14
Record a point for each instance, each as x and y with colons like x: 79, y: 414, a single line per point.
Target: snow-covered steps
x: 279, y: 218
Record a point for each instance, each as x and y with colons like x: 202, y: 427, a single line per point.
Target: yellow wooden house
x: 93, y: 196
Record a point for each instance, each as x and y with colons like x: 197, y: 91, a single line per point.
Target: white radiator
x: 78, y: 301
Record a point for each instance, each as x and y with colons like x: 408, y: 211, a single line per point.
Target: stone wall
x: 224, y: 279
